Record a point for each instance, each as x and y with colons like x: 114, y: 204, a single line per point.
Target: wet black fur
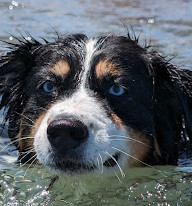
x: 158, y: 101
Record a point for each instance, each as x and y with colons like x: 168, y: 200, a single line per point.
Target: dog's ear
x: 14, y: 68
x: 183, y: 89
x: 172, y: 107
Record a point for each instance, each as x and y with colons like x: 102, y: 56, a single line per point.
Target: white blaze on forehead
x: 90, y: 49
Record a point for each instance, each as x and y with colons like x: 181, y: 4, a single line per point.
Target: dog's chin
x: 78, y: 167
x: 71, y: 168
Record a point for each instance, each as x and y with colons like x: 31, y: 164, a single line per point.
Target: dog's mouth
x: 80, y: 167
x: 111, y: 162
x: 73, y: 167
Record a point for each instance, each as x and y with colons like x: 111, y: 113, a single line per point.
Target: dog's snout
x: 65, y: 134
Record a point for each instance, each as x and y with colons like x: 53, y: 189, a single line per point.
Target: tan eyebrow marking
x: 61, y: 68
x: 105, y: 68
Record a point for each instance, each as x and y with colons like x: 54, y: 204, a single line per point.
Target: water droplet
x: 10, y: 38
x: 28, y: 38
x: 15, y: 3
x: 151, y: 21
x: 10, y: 7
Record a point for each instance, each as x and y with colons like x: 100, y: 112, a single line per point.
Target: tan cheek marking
x: 139, y: 145
x: 27, y: 144
x: 117, y: 121
x: 61, y: 68
x: 37, y: 124
x: 138, y: 148
x: 105, y: 68
x: 19, y: 143
x: 24, y: 144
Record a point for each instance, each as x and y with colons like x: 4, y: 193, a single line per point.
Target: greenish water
x: 168, y: 26
x: 141, y: 186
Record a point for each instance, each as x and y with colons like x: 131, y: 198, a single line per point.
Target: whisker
x: 29, y: 148
x: 28, y: 124
x: 25, y: 117
x: 101, y: 163
x: 161, y: 172
x: 29, y: 166
x: 120, y: 169
x: 130, y: 139
x: 115, y: 173
x: 28, y: 152
x: 35, y: 155
x: 119, y: 139
x: 36, y: 106
x: 117, y: 176
x: 132, y: 157
x: 44, y: 109
x: 98, y: 164
x: 14, y: 141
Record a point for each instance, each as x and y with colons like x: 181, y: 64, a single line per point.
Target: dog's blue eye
x: 116, y: 90
x: 48, y: 87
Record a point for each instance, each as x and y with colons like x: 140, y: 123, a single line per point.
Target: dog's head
x: 82, y: 104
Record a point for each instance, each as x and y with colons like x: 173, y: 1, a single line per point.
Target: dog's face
x: 91, y: 91
x: 87, y: 104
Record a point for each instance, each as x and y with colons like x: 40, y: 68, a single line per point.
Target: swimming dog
x: 79, y: 104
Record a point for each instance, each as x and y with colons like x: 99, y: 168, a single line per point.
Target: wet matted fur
x: 81, y: 103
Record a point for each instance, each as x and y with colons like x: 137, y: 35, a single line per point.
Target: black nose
x: 65, y: 134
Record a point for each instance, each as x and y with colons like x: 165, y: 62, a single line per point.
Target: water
x: 141, y: 186
x: 168, y: 26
